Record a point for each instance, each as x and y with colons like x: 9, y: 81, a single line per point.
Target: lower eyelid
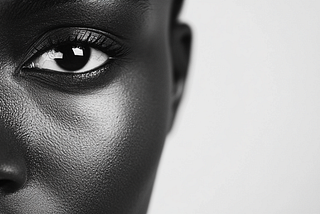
x: 81, y: 82
x: 72, y: 83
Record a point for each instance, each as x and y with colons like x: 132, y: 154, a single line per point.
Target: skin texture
x: 83, y: 144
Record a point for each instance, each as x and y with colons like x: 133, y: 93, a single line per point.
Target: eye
x: 74, y: 59
x: 70, y: 58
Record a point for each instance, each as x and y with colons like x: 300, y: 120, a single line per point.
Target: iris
x: 70, y: 57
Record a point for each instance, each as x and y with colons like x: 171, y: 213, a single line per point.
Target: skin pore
x: 86, y: 140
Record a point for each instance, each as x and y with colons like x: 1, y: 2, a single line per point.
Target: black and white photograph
x: 159, y: 107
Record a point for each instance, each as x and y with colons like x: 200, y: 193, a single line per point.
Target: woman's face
x: 86, y: 101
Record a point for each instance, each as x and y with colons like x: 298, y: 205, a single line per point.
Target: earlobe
x: 181, y: 39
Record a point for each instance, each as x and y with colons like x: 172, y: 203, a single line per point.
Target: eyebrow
x: 24, y: 8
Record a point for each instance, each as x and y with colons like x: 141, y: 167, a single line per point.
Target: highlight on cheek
x: 70, y: 59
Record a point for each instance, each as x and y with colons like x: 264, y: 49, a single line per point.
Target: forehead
x: 27, y: 7
x: 28, y: 19
x: 38, y: 5
x: 15, y: 11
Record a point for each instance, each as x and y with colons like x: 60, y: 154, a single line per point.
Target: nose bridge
x: 13, y: 170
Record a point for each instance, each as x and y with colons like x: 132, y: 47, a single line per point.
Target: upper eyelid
x: 97, y: 38
x: 74, y: 82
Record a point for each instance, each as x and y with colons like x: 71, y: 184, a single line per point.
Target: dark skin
x: 86, y: 140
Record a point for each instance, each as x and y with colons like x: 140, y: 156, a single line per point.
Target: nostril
x: 5, y: 182
x: 12, y: 178
x: 7, y: 186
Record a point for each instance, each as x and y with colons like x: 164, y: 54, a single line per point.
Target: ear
x: 181, y: 38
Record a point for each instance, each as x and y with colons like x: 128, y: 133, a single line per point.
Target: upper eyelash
x: 95, y: 38
x: 114, y: 46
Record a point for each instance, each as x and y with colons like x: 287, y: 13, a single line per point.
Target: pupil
x: 73, y: 57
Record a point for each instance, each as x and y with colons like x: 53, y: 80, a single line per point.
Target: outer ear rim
x: 181, y: 40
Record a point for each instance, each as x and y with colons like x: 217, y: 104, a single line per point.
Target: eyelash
x: 73, y: 82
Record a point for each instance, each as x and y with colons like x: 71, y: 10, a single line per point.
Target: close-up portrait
x: 159, y: 107
x: 89, y: 90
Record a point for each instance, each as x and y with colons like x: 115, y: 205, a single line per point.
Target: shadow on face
x: 88, y: 93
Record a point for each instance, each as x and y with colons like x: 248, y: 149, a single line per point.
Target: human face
x: 82, y: 131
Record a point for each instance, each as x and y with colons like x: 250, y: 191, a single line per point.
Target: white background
x: 247, y: 137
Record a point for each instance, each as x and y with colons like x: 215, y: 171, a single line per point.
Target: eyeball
x: 70, y: 58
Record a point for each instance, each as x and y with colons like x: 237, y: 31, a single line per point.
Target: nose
x: 13, y: 172
x: 12, y: 177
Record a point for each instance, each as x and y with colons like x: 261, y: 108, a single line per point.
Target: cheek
x: 98, y: 150
x: 93, y: 151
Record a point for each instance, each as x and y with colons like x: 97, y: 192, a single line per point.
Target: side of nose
x: 13, y: 172
x: 13, y: 169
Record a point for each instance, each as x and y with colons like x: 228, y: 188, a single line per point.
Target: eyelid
x: 115, y: 47
x: 103, y: 41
